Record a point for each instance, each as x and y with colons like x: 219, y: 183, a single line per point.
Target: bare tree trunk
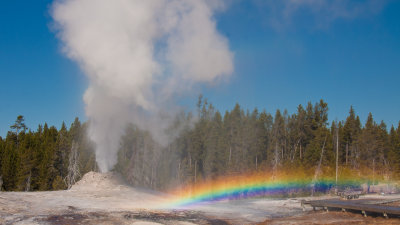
x: 295, y: 150
x: 276, y: 159
x: 1, y: 182
x: 300, y: 153
x: 373, y: 171
x: 144, y: 154
x: 318, y: 169
x: 28, y: 183
x: 151, y: 179
x: 347, y: 152
x: 387, y: 172
x: 179, y: 170
x: 154, y: 175
x: 337, y: 155
x: 230, y: 154
x: 230, y: 146
x: 190, y: 161
x: 243, y: 148
x: 283, y: 149
x: 195, y: 171
x: 73, y: 167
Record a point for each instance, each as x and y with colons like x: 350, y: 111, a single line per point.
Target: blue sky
x: 345, y: 52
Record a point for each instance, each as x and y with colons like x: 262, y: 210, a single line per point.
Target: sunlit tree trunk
x: 73, y: 167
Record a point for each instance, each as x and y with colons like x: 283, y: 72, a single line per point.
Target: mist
x: 139, y: 57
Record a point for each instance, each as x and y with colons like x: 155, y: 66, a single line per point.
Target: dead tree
x: 295, y: 150
x: 276, y: 156
x: 73, y: 166
x: 318, y: 169
x: 28, y: 183
x: 337, y: 157
x: 195, y: 171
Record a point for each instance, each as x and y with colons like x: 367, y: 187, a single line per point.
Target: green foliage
x: 208, y: 145
x: 19, y: 124
x: 58, y: 183
x: 32, y: 161
x: 212, y: 146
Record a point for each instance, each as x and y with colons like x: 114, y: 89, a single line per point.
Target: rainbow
x: 247, y: 186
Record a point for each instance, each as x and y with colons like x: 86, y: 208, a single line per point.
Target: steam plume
x: 138, y: 56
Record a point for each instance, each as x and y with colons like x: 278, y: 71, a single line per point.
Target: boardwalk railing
x: 358, y: 205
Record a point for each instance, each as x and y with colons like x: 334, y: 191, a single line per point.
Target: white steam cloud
x: 138, y: 56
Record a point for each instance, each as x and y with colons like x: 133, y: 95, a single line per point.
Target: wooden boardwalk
x: 364, y: 206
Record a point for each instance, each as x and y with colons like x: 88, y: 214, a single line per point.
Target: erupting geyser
x: 138, y: 56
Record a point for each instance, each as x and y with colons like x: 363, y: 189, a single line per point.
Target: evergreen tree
x: 206, y: 146
x: 215, y: 145
x: 351, y: 131
x: 19, y: 125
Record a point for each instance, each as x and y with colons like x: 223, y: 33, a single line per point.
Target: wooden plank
x: 353, y: 205
x: 386, y: 201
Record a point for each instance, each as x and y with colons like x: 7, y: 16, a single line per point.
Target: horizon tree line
x: 205, y: 145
